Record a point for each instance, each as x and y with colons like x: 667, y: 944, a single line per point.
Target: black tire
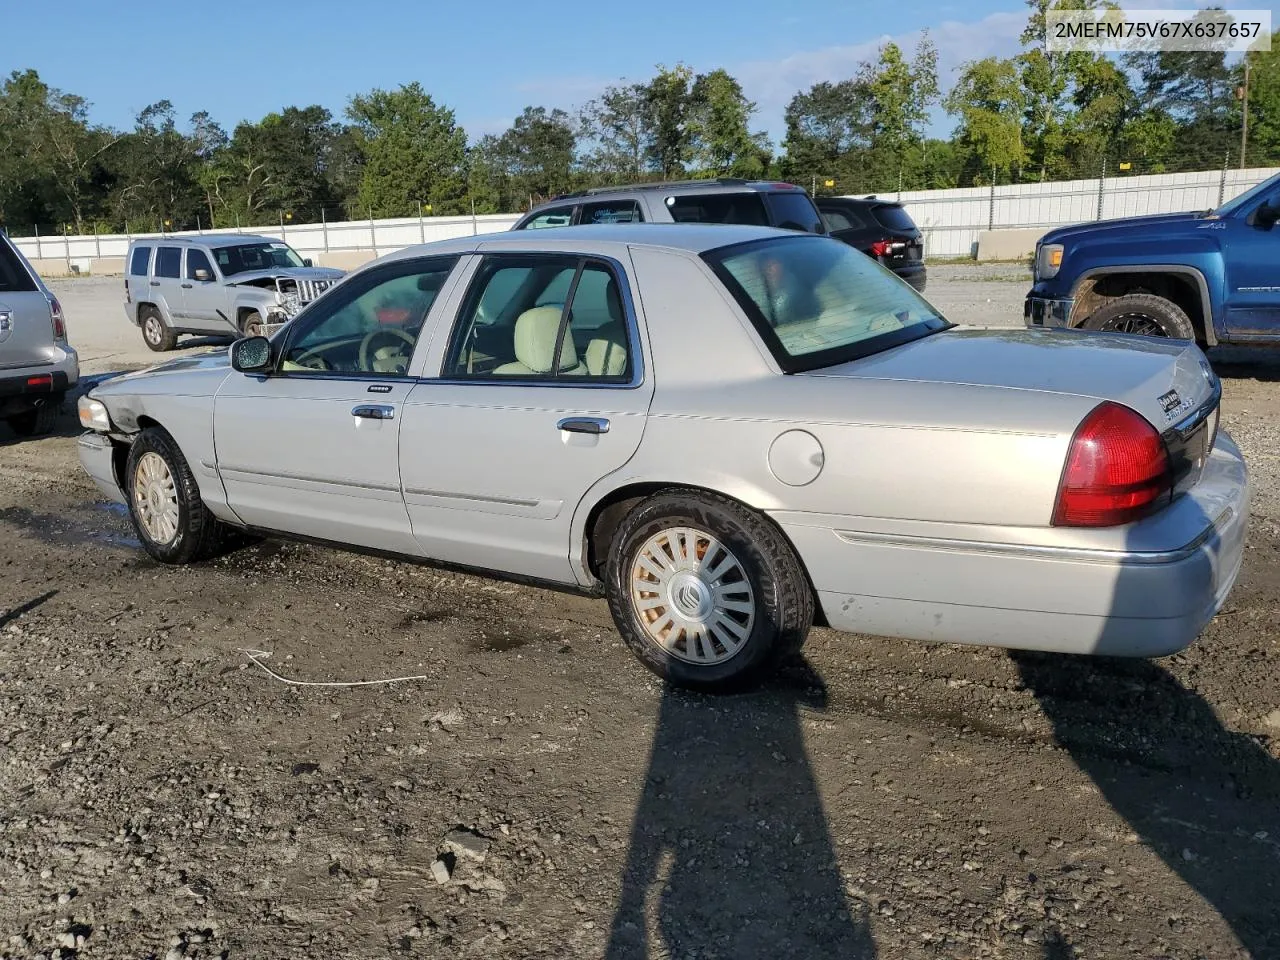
x: 156, y: 334
x: 782, y: 600
x: 1143, y: 313
x: 251, y: 324
x: 38, y: 421
x: 199, y: 534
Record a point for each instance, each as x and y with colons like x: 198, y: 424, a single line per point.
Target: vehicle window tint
x: 793, y: 210
x: 369, y: 327
x: 169, y: 262
x: 745, y: 208
x: 139, y: 261
x: 196, y: 260
x: 615, y: 211
x: 836, y: 220
x: 521, y: 333
x: 894, y: 217
x: 13, y: 275
x: 555, y: 217
x: 817, y: 300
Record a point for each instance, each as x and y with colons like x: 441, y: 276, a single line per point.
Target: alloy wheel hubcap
x: 1136, y: 323
x: 155, y: 498
x: 153, y: 329
x: 692, y: 596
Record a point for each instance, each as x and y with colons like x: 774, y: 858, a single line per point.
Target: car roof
x: 854, y: 202
x: 674, y: 188
x: 605, y: 239
x: 211, y: 240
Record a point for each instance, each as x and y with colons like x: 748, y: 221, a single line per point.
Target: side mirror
x: 251, y: 355
x: 1266, y: 215
x: 203, y: 275
x: 306, y: 262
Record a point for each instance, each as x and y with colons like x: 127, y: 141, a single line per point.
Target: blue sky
x: 486, y: 60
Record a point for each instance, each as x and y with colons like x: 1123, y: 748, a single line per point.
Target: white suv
x: 37, y: 365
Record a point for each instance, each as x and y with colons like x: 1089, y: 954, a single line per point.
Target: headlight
x: 93, y: 415
x: 1049, y: 260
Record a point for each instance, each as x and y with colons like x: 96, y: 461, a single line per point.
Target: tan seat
x: 535, y: 345
x: 606, y: 353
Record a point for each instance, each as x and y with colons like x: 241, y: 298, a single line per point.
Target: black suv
x: 881, y: 229
x: 766, y: 203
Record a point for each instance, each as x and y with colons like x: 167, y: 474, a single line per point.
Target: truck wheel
x: 707, y: 594
x: 38, y: 421
x: 251, y: 324
x: 171, y: 520
x: 157, y: 335
x: 1143, y: 313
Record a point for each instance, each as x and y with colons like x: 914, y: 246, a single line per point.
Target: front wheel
x: 1143, y: 313
x: 251, y: 324
x: 706, y: 593
x: 171, y: 520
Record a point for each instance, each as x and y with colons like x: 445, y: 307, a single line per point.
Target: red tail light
x: 43, y: 381
x: 880, y: 248
x: 59, y: 321
x: 1117, y: 470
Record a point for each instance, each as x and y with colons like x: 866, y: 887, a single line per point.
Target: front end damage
x: 291, y: 294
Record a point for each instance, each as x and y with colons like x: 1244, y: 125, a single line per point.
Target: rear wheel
x: 38, y: 421
x: 1145, y: 314
x: 171, y: 520
x: 155, y: 332
x: 706, y: 593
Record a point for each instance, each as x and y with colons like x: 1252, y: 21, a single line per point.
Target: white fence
x: 950, y: 219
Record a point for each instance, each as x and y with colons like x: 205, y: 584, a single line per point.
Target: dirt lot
x: 161, y: 796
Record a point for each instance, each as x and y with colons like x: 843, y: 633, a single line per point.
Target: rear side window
x: 169, y: 262
x: 14, y: 277
x: 745, y: 208
x: 793, y: 210
x: 616, y: 211
x: 893, y: 217
x: 138, y: 262
x: 842, y: 219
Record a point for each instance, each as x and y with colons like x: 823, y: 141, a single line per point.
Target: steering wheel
x: 314, y: 354
x: 383, y: 332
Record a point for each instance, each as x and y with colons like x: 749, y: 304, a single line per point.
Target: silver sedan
x: 730, y: 432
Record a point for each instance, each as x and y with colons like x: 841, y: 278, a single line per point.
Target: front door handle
x: 374, y: 411
x: 583, y: 425
x: 155, y: 283
x: 186, y: 286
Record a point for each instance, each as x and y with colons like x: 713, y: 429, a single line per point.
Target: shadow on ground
x: 730, y: 855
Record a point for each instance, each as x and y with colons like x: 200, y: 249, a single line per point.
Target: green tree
x: 828, y: 126
x: 537, y: 153
x: 900, y: 93
x: 669, y: 132
x: 989, y: 102
x: 615, y: 126
x: 720, y: 125
x: 413, y: 151
x: 1264, y: 105
x: 156, y: 169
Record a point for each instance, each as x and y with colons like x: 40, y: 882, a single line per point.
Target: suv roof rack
x: 661, y: 185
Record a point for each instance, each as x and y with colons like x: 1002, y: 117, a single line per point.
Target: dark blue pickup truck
x: 1212, y: 276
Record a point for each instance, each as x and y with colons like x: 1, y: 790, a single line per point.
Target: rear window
x: 894, y: 217
x: 817, y: 301
x: 745, y: 208
x: 169, y: 262
x: 793, y: 210
x: 13, y: 275
x: 138, y: 262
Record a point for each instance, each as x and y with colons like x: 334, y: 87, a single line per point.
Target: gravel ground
x: 537, y: 794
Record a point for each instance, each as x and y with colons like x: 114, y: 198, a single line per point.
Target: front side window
x: 196, y: 260
x: 255, y: 256
x: 745, y: 208
x: 369, y: 327
x: 138, y: 262
x: 169, y: 262
x: 817, y: 301
x: 613, y: 211
x: 524, y: 312
x: 555, y: 217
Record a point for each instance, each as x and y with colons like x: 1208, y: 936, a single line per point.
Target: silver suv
x: 765, y: 203
x: 37, y: 365
x: 230, y: 285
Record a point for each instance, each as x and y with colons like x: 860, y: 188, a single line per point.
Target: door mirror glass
x: 307, y: 262
x: 250, y: 355
x: 203, y: 275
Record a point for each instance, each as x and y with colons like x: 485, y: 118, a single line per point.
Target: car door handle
x: 186, y: 286
x: 583, y: 425
x: 155, y: 283
x: 374, y: 411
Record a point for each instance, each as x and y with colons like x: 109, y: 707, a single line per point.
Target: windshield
x: 818, y: 301
x: 1246, y: 198
x: 255, y: 256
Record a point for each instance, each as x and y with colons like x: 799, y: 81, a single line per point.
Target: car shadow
x: 1201, y: 796
x: 8, y: 616
x: 1245, y: 363
x: 730, y: 855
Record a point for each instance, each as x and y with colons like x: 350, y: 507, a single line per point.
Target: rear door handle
x: 155, y: 283
x: 186, y: 286
x: 374, y: 411
x: 583, y: 425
